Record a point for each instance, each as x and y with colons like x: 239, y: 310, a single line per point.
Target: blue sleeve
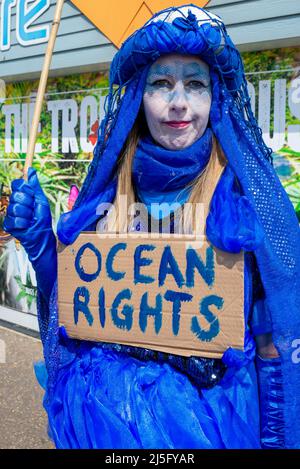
x: 260, y: 319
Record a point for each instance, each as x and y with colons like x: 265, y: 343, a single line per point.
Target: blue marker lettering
x: 110, y: 259
x: 205, y: 270
x: 146, y: 310
x: 127, y: 311
x: 141, y: 262
x: 213, y: 331
x: 101, y: 304
x: 86, y: 277
x: 80, y: 305
x: 168, y: 265
x: 177, y: 298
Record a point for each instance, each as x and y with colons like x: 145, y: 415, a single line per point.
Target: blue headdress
x: 192, y: 30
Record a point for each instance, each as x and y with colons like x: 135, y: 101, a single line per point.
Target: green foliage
x: 289, y: 152
x: 274, y: 60
x: 56, y: 175
x: 292, y: 184
x: 4, y: 298
x: 27, y: 291
x: 292, y: 187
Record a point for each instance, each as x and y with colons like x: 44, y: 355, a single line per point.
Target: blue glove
x: 28, y: 219
x: 271, y: 402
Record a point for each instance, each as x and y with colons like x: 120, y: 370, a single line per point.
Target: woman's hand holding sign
x: 29, y: 220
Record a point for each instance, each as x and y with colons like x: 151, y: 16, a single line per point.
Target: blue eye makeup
x: 165, y: 76
x: 161, y: 83
x: 163, y: 79
x: 196, y: 84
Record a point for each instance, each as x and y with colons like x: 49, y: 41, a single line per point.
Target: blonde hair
x: 202, y: 187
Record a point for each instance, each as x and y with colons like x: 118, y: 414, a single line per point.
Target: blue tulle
x: 105, y: 399
x: 41, y: 373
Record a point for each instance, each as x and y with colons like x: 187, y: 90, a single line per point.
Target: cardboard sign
x: 167, y: 293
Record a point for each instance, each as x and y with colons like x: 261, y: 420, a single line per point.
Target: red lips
x: 178, y: 124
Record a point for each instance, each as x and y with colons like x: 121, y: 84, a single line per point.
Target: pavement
x: 23, y: 420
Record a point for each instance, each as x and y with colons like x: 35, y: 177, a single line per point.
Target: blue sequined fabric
x: 203, y: 372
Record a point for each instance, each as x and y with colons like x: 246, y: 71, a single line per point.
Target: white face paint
x: 177, y: 100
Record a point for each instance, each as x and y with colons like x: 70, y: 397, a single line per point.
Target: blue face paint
x: 163, y: 79
x: 207, y: 270
x: 146, y: 310
x: 80, y: 304
x: 124, y: 323
x: 177, y: 298
x: 169, y: 265
x: 87, y: 277
x: 177, y: 100
x: 214, y: 329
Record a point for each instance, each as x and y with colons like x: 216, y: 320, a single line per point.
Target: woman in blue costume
x: 202, y: 143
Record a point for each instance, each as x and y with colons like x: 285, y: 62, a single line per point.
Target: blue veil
x: 192, y: 30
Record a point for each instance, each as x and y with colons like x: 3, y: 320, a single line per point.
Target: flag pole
x: 42, y: 87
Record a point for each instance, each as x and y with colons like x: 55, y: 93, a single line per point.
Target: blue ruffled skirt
x: 107, y: 399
